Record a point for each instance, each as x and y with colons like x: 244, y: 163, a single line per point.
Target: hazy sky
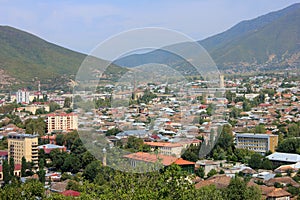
x: 81, y: 25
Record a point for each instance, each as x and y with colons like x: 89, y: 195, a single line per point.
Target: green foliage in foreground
x: 100, y: 182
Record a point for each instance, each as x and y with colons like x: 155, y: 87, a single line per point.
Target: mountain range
x: 267, y: 41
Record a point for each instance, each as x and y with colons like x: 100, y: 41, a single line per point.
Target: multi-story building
x: 62, y: 122
x: 23, y: 96
x: 260, y: 143
x: 166, y: 148
x: 23, y: 145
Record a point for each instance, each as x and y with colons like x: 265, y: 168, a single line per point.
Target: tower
x: 104, y: 157
x: 222, y: 85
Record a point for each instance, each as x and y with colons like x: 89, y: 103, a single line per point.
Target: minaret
x: 104, y: 157
x: 222, y: 85
x: 39, y: 86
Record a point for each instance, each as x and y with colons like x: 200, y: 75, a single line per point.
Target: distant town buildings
x: 260, y: 143
x: 62, y: 122
x: 23, y: 145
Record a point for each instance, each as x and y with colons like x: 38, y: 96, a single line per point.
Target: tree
x: 289, y: 145
x: 255, y: 161
x: 6, y: 172
x: 212, y: 172
x: 192, y: 153
x: 266, y: 164
x: 53, y: 106
x: 238, y: 190
x: 11, y: 167
x: 59, y: 139
x: 23, y: 166
x: 67, y: 102
x: 91, y: 170
x: 41, y: 173
x: 71, y: 164
x: 200, y: 172
x: 87, y: 158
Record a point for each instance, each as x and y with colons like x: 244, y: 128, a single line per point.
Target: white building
x: 23, y: 96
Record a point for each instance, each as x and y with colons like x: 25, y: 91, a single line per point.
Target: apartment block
x: 23, y: 96
x: 20, y: 144
x: 62, y: 122
x: 260, y: 143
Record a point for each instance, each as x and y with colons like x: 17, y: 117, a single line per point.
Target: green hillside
x: 25, y: 56
x: 276, y: 42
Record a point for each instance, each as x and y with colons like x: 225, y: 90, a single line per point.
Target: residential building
x: 166, y: 148
x: 23, y: 96
x: 260, y: 143
x: 49, y: 147
x: 62, y: 122
x: 23, y: 145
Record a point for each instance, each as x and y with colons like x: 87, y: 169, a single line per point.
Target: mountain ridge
x: 253, y: 42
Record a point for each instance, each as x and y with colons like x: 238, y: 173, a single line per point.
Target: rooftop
x: 16, y: 135
x: 163, y: 144
x: 284, y: 157
x: 254, y: 135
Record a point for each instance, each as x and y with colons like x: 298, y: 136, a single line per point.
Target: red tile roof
x: 17, y: 167
x: 278, y: 192
x: 163, y: 144
x: 3, y: 153
x: 71, y: 193
x: 181, y: 161
x: 147, y: 157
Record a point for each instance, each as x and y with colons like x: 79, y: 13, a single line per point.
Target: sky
x: 81, y: 25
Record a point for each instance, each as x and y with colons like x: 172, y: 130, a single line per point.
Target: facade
x: 23, y: 96
x: 62, y: 122
x: 20, y: 145
x: 260, y: 143
x: 166, y: 148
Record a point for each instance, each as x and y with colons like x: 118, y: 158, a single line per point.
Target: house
x: 278, y: 158
x: 166, y: 148
x: 49, y: 147
x: 157, y: 160
x: 59, y: 186
x: 283, y: 169
x: 51, y: 139
x: 278, y: 194
x: 286, y: 180
x: 208, y: 165
x: 220, y: 181
x: 17, y: 171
